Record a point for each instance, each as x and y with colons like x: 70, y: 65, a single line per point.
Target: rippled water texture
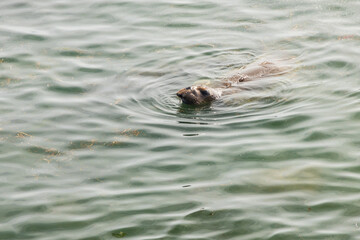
x: 95, y: 144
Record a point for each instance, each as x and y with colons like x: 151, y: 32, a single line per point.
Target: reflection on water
x: 96, y: 145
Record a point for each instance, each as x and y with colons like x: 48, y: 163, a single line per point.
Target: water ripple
x: 96, y: 145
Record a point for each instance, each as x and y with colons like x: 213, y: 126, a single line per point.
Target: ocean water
x: 95, y: 145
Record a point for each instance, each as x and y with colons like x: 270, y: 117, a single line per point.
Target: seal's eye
x: 204, y: 92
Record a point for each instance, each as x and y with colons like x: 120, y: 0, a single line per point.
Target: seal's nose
x: 179, y: 94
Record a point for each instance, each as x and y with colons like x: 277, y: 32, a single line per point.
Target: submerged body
x: 199, y: 95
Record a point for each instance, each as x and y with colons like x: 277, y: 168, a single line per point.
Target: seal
x: 201, y: 94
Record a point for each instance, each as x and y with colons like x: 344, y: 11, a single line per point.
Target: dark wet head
x: 197, y: 95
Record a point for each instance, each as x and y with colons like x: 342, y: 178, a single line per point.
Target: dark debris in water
x: 188, y: 122
x: 6, y: 81
x: 190, y: 134
x: 130, y: 132
x: 200, y: 214
x: 87, y: 144
x: 22, y: 135
x: 119, y: 234
x: 43, y: 150
x: 67, y: 89
x: 91, y: 144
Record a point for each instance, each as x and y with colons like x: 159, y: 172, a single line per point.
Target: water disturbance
x: 95, y: 145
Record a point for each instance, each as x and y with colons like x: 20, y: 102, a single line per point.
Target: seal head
x: 198, y: 95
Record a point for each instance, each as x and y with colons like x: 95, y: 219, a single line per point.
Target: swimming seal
x: 199, y: 95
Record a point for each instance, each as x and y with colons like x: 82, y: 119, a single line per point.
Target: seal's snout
x: 184, y: 95
x: 182, y: 92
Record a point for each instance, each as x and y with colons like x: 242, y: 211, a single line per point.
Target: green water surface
x: 95, y: 145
